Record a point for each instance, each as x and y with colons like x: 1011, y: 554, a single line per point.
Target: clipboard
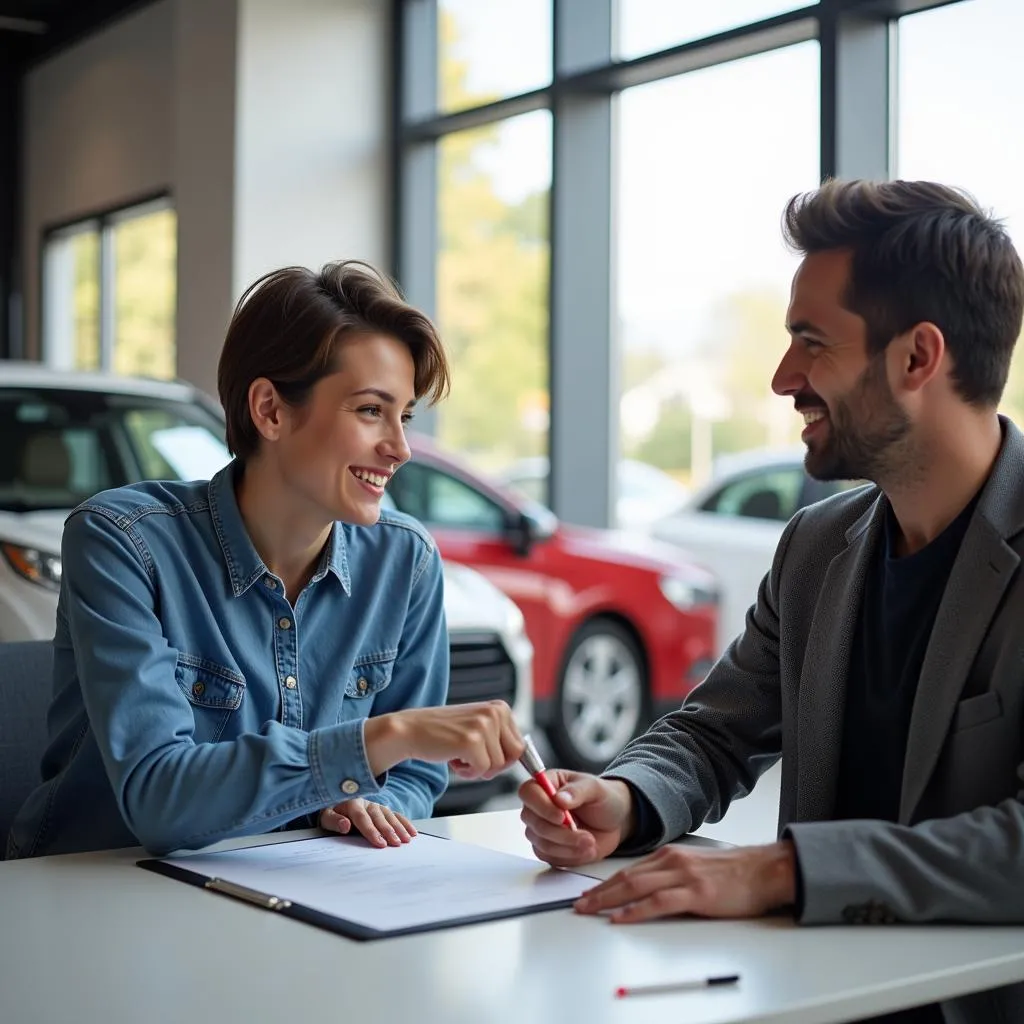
x: 343, y: 885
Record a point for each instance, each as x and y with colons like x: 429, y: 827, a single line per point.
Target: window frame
x: 103, y: 222
x: 858, y: 54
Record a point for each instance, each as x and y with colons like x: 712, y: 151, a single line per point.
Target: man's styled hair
x: 289, y: 325
x: 921, y: 252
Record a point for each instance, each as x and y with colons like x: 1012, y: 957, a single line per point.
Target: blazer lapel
x: 983, y: 569
x: 826, y: 667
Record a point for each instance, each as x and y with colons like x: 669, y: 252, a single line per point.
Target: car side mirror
x: 521, y: 533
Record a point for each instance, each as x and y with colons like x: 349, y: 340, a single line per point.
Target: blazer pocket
x: 214, y: 692
x: 985, y: 707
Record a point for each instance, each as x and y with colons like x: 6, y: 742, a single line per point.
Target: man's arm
x: 692, y: 763
x: 419, y: 679
x: 172, y: 792
x: 965, y: 868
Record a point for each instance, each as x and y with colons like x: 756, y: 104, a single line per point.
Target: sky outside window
x: 960, y: 94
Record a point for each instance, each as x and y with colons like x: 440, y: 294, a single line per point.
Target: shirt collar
x: 241, y: 559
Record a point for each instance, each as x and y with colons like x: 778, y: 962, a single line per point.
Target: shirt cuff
x: 648, y: 830
x: 341, y: 770
x: 798, y: 902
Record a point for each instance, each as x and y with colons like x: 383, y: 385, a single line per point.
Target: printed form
x: 427, y: 881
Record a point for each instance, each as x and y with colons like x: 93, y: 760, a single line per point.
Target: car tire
x: 603, y: 697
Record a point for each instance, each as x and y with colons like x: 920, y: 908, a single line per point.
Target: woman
x: 269, y: 647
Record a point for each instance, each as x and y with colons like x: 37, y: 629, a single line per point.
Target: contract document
x: 343, y: 884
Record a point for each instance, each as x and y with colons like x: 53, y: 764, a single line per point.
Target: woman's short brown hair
x: 289, y: 324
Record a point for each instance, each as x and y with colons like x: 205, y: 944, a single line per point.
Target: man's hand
x: 377, y: 823
x: 745, y: 882
x: 603, y: 809
x: 478, y: 740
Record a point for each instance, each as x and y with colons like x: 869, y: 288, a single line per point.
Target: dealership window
x: 959, y: 132
x: 649, y: 25
x: 492, y: 288
x: 704, y: 275
x: 109, y: 289
x: 677, y: 132
x: 487, y: 51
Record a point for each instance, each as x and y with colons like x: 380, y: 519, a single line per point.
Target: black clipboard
x: 330, y: 922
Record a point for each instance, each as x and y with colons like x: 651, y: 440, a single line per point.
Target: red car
x: 623, y: 627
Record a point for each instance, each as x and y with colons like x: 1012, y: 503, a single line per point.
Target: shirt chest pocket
x: 368, y: 676
x: 213, y: 691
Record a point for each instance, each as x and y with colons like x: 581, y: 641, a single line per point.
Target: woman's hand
x: 378, y: 824
x: 478, y: 740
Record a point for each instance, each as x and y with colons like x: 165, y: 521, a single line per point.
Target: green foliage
x: 492, y: 295
x: 85, y: 248
x: 668, y: 445
x: 144, y: 295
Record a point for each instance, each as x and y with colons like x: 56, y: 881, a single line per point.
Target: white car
x: 733, y: 524
x: 67, y: 436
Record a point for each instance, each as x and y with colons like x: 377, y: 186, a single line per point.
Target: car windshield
x: 62, y: 445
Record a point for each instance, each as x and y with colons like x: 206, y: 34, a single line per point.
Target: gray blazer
x: 957, y: 851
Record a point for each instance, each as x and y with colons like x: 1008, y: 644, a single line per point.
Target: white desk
x: 91, y: 939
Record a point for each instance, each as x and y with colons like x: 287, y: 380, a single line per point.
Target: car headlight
x: 686, y: 594
x: 34, y: 565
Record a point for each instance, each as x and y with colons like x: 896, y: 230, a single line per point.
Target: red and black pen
x: 532, y: 762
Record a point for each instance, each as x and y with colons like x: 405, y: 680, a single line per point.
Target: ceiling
x: 33, y: 29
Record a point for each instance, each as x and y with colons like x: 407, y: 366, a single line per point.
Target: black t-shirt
x: 897, y: 615
x: 898, y: 610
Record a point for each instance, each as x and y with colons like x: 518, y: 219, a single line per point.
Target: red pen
x: 532, y: 762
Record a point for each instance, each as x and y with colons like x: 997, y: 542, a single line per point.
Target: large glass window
x: 707, y: 147
x: 71, y: 297
x: 703, y: 273
x: 960, y: 129
x: 144, y: 293
x: 492, y: 288
x: 109, y: 293
x: 491, y: 50
x: 648, y: 25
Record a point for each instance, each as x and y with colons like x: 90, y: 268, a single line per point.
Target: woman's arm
x: 419, y: 679
x: 172, y: 792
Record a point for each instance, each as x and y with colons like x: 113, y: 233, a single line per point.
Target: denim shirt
x: 193, y: 703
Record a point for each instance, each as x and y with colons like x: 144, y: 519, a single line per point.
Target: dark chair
x: 26, y: 671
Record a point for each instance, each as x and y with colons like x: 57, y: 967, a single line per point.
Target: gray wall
x: 204, y: 180
x: 98, y: 132
x: 266, y: 121
x: 312, y: 134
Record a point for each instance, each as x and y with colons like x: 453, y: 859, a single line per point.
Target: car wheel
x: 603, y: 697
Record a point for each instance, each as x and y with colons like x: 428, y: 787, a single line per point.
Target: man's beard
x: 864, y: 432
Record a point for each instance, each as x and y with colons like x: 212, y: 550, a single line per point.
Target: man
x: 883, y: 658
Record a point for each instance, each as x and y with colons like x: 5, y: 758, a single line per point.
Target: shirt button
x: 270, y: 582
x: 284, y: 623
x: 198, y: 689
x: 361, y: 683
x: 350, y: 786
x: 291, y: 682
